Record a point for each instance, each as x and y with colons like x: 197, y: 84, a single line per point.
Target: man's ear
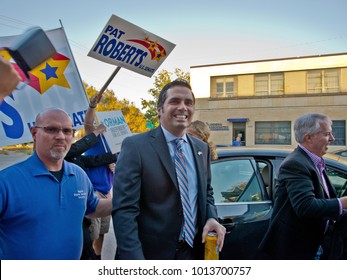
x: 308, y: 138
x: 33, y: 131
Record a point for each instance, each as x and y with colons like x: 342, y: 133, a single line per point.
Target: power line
x: 14, y: 23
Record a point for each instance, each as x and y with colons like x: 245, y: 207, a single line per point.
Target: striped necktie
x: 181, y: 173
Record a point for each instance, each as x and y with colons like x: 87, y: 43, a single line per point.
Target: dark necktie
x: 321, y: 167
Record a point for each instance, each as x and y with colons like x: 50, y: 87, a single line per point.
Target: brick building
x: 259, y: 100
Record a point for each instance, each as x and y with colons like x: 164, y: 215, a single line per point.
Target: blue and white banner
x: 126, y: 45
x: 116, y: 128
x: 54, y: 83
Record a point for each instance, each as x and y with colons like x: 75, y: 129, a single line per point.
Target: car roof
x: 274, y: 152
x: 339, y: 151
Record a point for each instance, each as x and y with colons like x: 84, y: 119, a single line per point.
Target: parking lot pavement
x: 11, y: 158
x: 109, y: 246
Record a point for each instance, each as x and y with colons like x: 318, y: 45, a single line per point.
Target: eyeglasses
x: 55, y: 130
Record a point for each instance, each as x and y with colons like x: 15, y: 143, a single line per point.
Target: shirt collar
x: 170, y: 137
x: 318, y: 161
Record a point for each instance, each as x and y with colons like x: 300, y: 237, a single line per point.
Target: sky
x: 204, y: 32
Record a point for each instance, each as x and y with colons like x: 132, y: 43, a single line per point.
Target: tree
x: 161, y: 79
x: 109, y: 102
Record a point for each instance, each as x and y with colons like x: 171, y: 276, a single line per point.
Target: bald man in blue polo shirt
x: 43, y: 199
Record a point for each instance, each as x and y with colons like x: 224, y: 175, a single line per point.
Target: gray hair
x: 308, y: 124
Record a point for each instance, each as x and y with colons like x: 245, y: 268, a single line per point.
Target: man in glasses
x: 43, y: 199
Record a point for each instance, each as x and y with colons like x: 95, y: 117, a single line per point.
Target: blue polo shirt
x: 40, y: 217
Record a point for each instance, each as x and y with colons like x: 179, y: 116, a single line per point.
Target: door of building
x: 239, y: 130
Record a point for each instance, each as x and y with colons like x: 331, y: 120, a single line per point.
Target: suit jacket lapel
x: 199, y: 161
x: 159, y: 144
x: 332, y: 191
x: 323, y: 193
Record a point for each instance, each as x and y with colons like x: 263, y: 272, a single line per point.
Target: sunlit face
x: 52, y: 147
x: 177, y: 111
x: 318, y: 143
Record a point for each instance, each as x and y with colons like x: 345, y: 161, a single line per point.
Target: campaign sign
x: 116, y: 128
x: 126, y: 45
x: 54, y: 83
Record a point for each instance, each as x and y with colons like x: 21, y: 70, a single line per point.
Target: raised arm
x: 90, y: 114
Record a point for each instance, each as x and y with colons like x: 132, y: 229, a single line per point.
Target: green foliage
x: 109, y: 102
x: 161, y: 79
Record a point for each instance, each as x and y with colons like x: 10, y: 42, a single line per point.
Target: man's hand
x: 9, y: 78
x: 99, y: 129
x: 213, y: 225
x: 94, y: 100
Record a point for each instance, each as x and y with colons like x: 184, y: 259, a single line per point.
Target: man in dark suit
x: 147, y: 210
x: 305, y: 203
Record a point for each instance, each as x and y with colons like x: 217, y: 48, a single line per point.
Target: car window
x: 342, y: 153
x: 264, y: 169
x: 339, y: 181
x: 235, y: 181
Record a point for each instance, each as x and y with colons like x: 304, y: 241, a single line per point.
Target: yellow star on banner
x: 159, y: 55
x: 51, y: 73
x: 5, y: 55
x: 152, y: 46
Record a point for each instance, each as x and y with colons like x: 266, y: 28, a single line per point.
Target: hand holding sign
x: 94, y: 100
x: 117, y: 128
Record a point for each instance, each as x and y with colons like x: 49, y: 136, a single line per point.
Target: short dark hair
x: 178, y: 82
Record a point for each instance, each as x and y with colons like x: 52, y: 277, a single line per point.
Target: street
x: 109, y: 247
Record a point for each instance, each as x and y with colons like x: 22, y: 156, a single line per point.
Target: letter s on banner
x: 16, y: 129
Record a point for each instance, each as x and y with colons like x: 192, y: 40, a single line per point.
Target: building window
x: 339, y: 132
x: 223, y: 86
x: 323, y: 81
x: 273, y: 133
x: 269, y: 84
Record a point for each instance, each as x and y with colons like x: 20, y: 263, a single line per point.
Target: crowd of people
x: 58, y: 203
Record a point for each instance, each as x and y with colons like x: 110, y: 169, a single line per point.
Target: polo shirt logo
x: 80, y: 194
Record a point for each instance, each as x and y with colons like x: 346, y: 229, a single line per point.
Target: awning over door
x: 237, y: 119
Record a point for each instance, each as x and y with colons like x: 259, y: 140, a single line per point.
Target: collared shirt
x: 320, y: 166
x: 41, y: 218
x: 190, y: 167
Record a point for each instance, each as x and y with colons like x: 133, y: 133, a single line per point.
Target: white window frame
x: 265, y: 84
x: 322, y: 81
x: 222, y: 82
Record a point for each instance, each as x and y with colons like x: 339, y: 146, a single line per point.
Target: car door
x: 243, y: 205
x: 338, y: 178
